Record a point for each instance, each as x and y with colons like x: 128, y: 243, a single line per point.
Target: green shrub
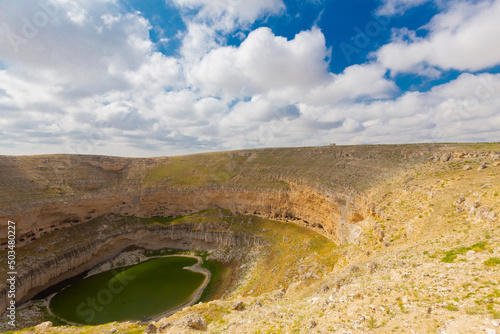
x: 492, y: 261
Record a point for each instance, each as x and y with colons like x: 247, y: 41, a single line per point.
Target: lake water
x: 136, y: 292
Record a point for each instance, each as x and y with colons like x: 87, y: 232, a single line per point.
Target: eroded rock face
x: 50, y: 198
x: 71, y: 262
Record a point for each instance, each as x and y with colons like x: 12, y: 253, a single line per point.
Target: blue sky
x: 165, y: 77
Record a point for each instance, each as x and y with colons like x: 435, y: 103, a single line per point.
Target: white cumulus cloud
x: 463, y: 38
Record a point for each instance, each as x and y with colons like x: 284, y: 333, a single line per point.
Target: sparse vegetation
x: 413, y: 227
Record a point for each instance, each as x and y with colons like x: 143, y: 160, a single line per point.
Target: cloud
x: 226, y: 15
x: 398, y: 7
x: 463, y: 38
x: 93, y: 41
x: 262, y: 63
x: 357, y: 81
x: 90, y: 81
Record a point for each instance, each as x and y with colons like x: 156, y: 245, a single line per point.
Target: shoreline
x: 194, y: 297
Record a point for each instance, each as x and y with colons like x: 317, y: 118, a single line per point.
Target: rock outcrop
x: 81, y: 258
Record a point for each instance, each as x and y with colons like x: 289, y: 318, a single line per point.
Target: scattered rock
x: 372, y: 266
x: 258, y: 303
x: 354, y: 269
x: 312, y: 324
x: 470, y: 255
x: 496, y: 164
x: 446, y: 157
x: 113, y: 330
x: 483, y: 166
x: 40, y: 249
x: 238, y: 306
x: 459, y: 200
x: 165, y: 326
x: 467, y: 167
x: 495, y: 322
x: 196, y: 321
x: 324, y: 288
x: 408, y: 180
x: 150, y: 329
x: 490, y: 330
x: 43, y: 326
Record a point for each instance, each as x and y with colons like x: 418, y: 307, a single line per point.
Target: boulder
x: 372, y: 266
x: 446, y: 157
x: 467, y: 167
x: 197, y: 322
x: 470, y: 255
x: 238, y: 306
x: 165, y: 326
x: 43, y: 326
x: 324, y: 288
x: 150, y: 329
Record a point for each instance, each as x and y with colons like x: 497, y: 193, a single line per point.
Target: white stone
x: 43, y: 326
x: 470, y: 255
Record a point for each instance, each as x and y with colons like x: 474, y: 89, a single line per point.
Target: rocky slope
x: 322, y: 186
x: 35, y: 276
x: 406, y: 219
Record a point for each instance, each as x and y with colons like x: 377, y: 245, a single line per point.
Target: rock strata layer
x: 81, y: 258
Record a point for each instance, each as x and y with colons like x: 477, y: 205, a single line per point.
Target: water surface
x: 136, y: 292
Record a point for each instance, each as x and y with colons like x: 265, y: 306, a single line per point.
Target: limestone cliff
x: 57, y: 267
x: 323, y: 187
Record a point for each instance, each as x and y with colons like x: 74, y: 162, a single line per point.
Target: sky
x: 170, y: 77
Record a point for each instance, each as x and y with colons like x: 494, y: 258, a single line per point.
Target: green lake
x: 136, y: 292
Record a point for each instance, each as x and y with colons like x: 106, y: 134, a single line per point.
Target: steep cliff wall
x: 323, y: 187
x: 58, y: 267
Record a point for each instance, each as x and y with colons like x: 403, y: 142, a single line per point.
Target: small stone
x: 113, y: 330
x: 373, y: 266
x: 150, y: 329
x: 43, y: 326
x: 470, y: 255
x: 483, y: 166
x: 196, y: 321
x: 238, y: 306
x: 446, y: 157
x: 496, y: 164
x: 312, y: 324
x: 40, y: 249
x: 325, y: 288
x: 165, y: 326
x: 467, y: 167
x: 495, y: 322
x: 490, y: 330
x: 258, y: 303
